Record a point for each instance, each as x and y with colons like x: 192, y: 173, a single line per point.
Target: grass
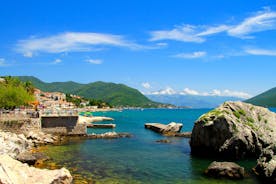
x: 251, y: 120
x: 237, y: 114
x: 210, y: 115
x: 259, y: 117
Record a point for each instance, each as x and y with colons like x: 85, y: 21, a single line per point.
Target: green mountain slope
x: 114, y: 94
x: 266, y: 99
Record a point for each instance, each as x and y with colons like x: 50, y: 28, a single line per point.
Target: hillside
x: 193, y: 101
x: 265, y: 99
x: 114, y: 94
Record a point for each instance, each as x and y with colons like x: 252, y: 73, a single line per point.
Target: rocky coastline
x: 14, y: 147
x: 237, y: 130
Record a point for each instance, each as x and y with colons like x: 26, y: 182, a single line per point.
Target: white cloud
x: 214, y: 30
x: 2, y: 62
x: 186, y: 33
x: 193, y: 55
x: 56, y: 61
x: 71, y: 42
x: 214, y: 92
x: 236, y: 94
x: 265, y: 20
x: 94, y: 61
x: 146, y: 85
x: 167, y: 91
x: 261, y: 52
x: 188, y: 91
x: 260, y: 21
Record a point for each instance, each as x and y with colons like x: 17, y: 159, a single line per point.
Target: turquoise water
x: 140, y: 159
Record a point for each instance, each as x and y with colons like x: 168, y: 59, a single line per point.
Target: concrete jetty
x: 171, y: 128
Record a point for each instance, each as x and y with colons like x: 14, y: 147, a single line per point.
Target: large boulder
x: 13, y: 171
x: 13, y: 144
x: 266, y: 165
x: 234, y: 130
x: 228, y: 170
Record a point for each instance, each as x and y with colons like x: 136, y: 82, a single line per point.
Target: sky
x: 195, y: 47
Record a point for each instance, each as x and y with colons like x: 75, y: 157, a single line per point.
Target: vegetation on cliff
x: 14, y: 93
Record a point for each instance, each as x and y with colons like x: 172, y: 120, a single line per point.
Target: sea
x: 140, y: 159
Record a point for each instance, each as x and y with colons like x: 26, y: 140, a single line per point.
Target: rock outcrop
x: 13, y: 171
x: 234, y: 130
x: 41, y: 138
x: 228, y: 170
x: 173, y: 127
x: 266, y: 165
x: 13, y: 144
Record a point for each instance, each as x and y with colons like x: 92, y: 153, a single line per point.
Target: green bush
x: 14, y: 93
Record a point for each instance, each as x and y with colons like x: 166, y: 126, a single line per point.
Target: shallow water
x: 139, y: 159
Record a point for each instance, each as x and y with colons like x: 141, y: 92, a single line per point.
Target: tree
x: 14, y: 93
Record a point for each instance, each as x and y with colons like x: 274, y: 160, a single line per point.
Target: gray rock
x: 173, y: 127
x: 13, y: 144
x: 228, y: 170
x: 234, y: 130
x: 13, y: 171
x: 266, y: 165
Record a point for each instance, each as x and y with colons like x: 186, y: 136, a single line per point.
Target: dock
x: 101, y: 125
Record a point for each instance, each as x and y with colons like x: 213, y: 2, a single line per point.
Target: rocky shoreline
x: 18, y: 158
x: 14, y: 147
x: 237, y: 130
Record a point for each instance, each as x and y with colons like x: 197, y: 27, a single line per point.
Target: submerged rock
x: 266, y: 165
x: 13, y: 171
x: 164, y: 141
x: 234, y: 130
x: 31, y: 158
x: 228, y: 170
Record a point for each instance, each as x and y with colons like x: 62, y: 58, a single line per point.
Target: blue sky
x: 224, y: 48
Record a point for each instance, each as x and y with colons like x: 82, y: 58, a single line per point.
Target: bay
x: 139, y: 159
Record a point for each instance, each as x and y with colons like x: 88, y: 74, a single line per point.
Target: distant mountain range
x: 114, y: 94
x: 192, y: 101
x: 265, y: 99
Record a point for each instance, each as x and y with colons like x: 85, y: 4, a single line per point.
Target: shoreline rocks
x: 234, y: 130
x: 13, y: 171
x: 229, y: 170
x: 266, y: 165
x: 13, y: 144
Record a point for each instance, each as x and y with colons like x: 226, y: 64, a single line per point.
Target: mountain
x: 114, y: 94
x: 265, y: 99
x: 192, y: 101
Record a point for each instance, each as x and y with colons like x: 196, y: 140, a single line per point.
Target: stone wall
x: 65, y: 125
x: 20, y: 126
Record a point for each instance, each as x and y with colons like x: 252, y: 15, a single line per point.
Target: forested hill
x: 114, y: 94
x: 265, y: 99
